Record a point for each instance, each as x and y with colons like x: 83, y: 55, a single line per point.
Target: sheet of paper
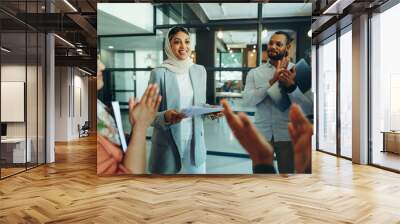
x: 118, y: 120
x: 198, y: 110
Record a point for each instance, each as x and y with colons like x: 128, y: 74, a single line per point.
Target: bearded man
x: 271, y: 119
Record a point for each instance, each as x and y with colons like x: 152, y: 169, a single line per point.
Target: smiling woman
x: 178, y: 144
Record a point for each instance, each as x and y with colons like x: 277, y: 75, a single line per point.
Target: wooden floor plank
x: 69, y: 191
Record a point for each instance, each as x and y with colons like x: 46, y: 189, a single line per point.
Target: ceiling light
x: 309, y: 33
x: 254, y: 50
x: 70, y: 5
x: 264, y: 33
x: 254, y: 46
x: 65, y: 41
x: 110, y: 47
x: 43, y: 7
x: 220, y: 35
x: 5, y: 50
x: 231, y: 51
x: 79, y: 50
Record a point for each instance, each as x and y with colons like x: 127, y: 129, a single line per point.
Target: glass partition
x: 327, y: 96
x: 385, y: 89
x: 22, y: 91
x: 346, y: 93
x: 15, y: 152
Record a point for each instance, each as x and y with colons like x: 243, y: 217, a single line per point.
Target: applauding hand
x: 300, y: 130
x: 281, y: 65
x: 142, y: 113
x: 286, y: 77
x: 256, y: 145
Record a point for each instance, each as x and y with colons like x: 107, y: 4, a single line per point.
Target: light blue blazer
x: 166, y: 150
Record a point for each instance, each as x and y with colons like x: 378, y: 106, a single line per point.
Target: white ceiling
x: 109, y: 25
x: 247, y: 37
x: 124, y: 18
x: 287, y: 9
x: 218, y: 11
x: 117, y: 24
x: 139, y: 42
x: 133, y: 43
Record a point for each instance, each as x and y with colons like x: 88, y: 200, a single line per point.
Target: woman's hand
x: 260, y: 151
x: 142, y: 113
x: 173, y: 117
x: 214, y: 115
x: 300, y: 130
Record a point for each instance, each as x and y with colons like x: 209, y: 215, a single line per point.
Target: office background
x: 22, y: 107
x: 342, y: 79
x: 46, y: 82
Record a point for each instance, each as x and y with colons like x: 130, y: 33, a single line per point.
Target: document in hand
x: 279, y: 97
x: 118, y: 120
x: 303, y: 75
x: 200, y: 110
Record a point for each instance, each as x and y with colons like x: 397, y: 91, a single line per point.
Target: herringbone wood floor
x: 70, y: 192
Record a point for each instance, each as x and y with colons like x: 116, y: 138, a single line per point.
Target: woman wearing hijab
x: 110, y: 157
x: 178, y: 143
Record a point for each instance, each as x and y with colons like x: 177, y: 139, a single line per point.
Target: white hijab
x: 173, y: 63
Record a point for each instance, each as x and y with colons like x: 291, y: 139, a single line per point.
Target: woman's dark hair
x: 175, y: 30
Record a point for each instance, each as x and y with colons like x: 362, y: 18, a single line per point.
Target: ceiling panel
x: 248, y: 37
x: 220, y: 11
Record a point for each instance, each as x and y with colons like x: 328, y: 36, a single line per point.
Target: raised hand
x: 214, y: 115
x: 300, y: 130
x: 143, y: 113
x: 256, y: 145
x: 281, y: 65
x: 172, y: 116
x: 286, y: 77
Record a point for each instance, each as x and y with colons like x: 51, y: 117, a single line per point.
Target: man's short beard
x: 277, y: 57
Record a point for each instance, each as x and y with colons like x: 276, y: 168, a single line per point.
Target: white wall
x: 61, y: 103
x: 71, y: 93
x: 79, y: 117
x: 16, y: 73
x: 33, y: 127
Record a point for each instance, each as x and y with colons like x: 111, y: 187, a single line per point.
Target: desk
x: 13, y: 150
x: 391, y: 141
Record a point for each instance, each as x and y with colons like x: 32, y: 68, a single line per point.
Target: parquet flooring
x: 70, y: 192
x: 10, y: 171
